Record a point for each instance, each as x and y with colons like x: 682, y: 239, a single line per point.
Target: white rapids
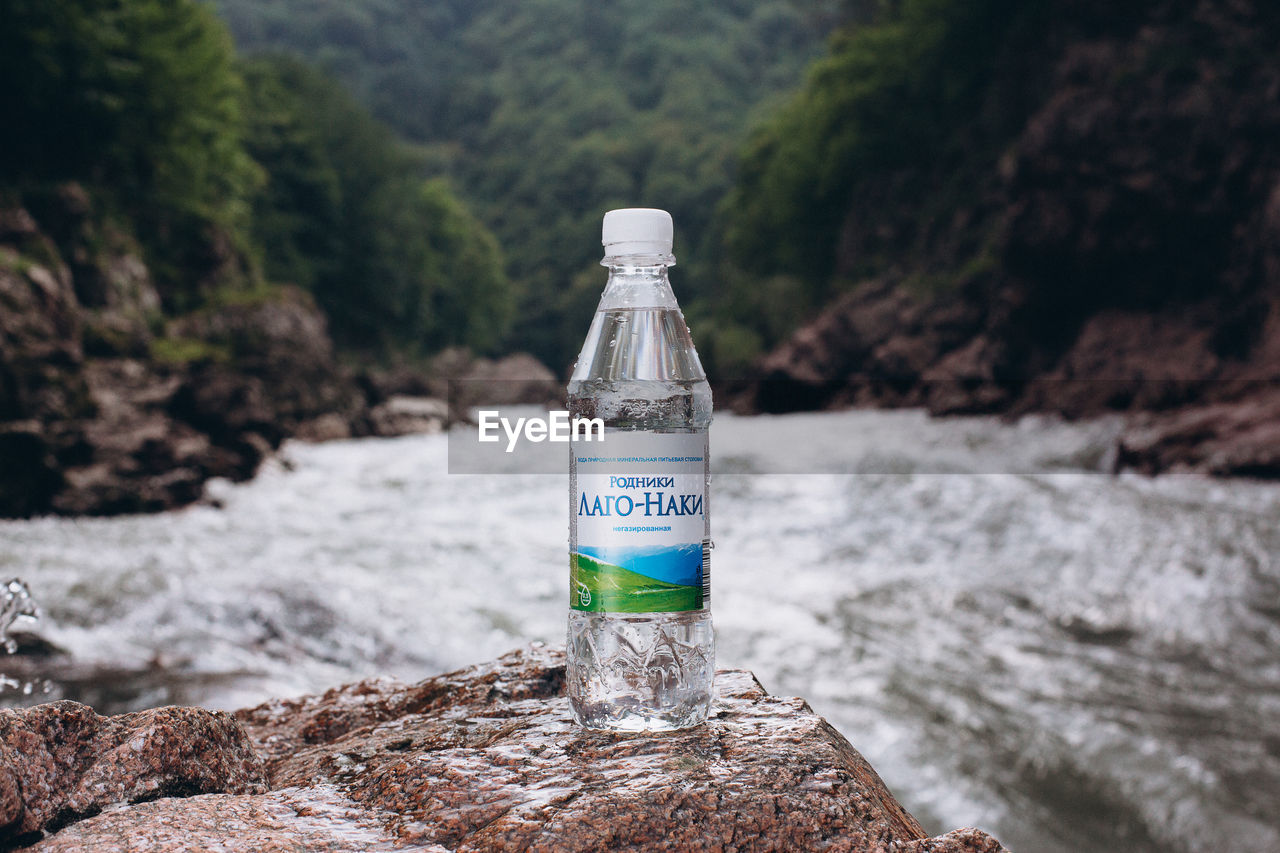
x: 1071, y: 660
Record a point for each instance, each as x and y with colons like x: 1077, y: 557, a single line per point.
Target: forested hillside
x: 544, y: 114
x: 160, y: 198
x: 233, y: 176
x: 397, y: 261
x: 897, y: 130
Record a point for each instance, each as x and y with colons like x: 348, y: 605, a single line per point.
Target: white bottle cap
x: 637, y: 231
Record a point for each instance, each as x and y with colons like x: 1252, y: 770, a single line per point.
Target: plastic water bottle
x: 641, y: 650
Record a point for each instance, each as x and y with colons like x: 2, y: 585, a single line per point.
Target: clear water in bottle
x: 641, y: 650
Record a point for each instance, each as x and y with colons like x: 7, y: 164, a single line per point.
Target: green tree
x: 394, y: 258
x: 906, y: 118
x: 139, y: 100
x: 298, y: 211
x: 545, y: 113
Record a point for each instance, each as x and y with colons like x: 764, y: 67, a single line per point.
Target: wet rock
x: 406, y: 379
x: 225, y: 404
x: 108, y: 408
x: 29, y: 645
x: 408, y: 416
x: 132, y: 456
x: 879, y: 345
x: 105, y: 263
x: 456, y: 375
x: 312, y: 820
x: 280, y: 366
x: 40, y: 351
x: 514, y: 380
x: 328, y: 427
x: 31, y: 473
x: 1240, y: 438
x: 61, y: 762
x: 123, y: 430
x: 465, y: 381
x: 487, y: 758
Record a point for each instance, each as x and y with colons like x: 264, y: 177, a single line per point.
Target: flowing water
x: 16, y: 605
x: 1075, y: 661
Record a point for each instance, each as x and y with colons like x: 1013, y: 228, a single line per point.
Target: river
x: 1072, y: 660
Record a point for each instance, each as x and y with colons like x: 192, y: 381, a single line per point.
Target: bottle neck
x: 646, y: 259
x: 638, y: 281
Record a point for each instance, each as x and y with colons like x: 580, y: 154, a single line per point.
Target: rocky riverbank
x: 486, y: 758
x: 1117, y: 252
x: 1188, y: 406
x: 110, y: 405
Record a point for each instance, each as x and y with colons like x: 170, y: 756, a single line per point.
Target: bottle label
x: 639, y: 506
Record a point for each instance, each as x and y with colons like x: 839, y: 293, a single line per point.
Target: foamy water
x: 1071, y: 660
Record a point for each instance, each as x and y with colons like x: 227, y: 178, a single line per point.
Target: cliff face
x: 1128, y: 256
x: 484, y: 759
x: 107, y: 406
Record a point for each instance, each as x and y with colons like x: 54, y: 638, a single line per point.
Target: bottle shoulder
x: 643, y: 404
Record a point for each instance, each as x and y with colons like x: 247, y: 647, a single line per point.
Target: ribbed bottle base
x: 641, y: 672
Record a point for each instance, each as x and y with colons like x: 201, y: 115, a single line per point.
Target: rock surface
x: 514, y: 379
x: 487, y: 759
x: 157, y: 428
x: 1240, y: 438
x: 409, y: 415
x: 107, y: 406
x: 61, y: 762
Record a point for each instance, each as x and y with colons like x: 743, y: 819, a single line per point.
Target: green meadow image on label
x: 600, y: 586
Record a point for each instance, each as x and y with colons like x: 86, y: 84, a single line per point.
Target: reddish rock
x: 326, y: 427
x: 518, y: 379
x: 40, y: 351
x: 457, y: 375
x: 488, y: 759
x: 515, y: 379
x: 310, y: 820
x: 282, y: 369
x: 1119, y: 256
x: 1239, y: 438
x: 61, y: 762
x: 409, y: 416
x: 410, y: 398
x: 97, y: 417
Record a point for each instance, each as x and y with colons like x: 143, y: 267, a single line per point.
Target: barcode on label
x: 706, y: 571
